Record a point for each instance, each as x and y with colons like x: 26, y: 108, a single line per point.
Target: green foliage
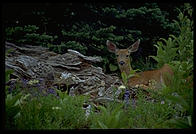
x: 12, y: 104
x: 177, y: 48
x: 7, y: 74
x: 178, y: 52
x: 28, y: 34
x: 77, y: 32
x: 14, y: 33
x: 7, y: 78
x: 24, y: 111
x: 113, y: 67
x: 144, y: 64
x: 68, y: 45
x: 111, y: 116
x: 146, y: 114
x: 8, y: 51
x: 183, y: 101
x: 184, y: 104
x: 53, y: 113
x: 165, y: 53
x: 39, y: 39
x: 125, y: 78
x: 149, y: 114
x: 12, y: 110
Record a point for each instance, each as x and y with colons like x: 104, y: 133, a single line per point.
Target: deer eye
x: 117, y: 55
x: 127, y: 56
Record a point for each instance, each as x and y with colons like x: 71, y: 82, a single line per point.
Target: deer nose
x: 121, y: 63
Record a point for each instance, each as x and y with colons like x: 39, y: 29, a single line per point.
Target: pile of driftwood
x: 72, y: 70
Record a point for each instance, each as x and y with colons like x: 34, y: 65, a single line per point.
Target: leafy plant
x: 28, y: 34
x: 178, y: 52
x: 150, y: 114
x: 113, y: 67
x: 7, y: 74
x: 13, y: 105
x: 125, y: 78
x: 111, y: 116
x: 144, y: 64
x: 50, y: 112
x: 62, y: 48
x: 12, y: 110
x: 165, y: 53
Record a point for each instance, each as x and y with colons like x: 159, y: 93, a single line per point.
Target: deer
x: 159, y: 76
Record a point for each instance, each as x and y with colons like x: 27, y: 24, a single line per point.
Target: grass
x: 51, y: 111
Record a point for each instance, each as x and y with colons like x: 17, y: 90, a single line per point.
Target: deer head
x: 123, y: 55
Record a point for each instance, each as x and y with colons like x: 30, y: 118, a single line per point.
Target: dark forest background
x: 86, y: 27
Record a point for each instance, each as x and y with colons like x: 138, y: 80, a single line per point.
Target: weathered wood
x: 71, y: 69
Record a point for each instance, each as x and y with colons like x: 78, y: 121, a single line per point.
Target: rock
x: 71, y: 70
x: 87, y: 58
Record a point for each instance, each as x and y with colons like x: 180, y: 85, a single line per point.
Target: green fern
x: 178, y: 52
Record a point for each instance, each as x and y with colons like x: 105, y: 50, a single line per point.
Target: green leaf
x: 102, y: 125
x: 117, y: 116
x: 189, y: 118
x: 113, y: 67
x: 155, y: 58
x: 179, y: 100
x: 103, y: 109
x: 7, y: 74
x: 124, y: 78
x: 9, y: 51
x: 180, y: 123
x: 12, y: 100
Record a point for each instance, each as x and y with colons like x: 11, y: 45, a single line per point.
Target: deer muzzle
x: 121, y: 63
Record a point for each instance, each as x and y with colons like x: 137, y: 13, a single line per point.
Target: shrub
x: 149, y: 114
x: 111, y: 116
x: 178, y: 52
x: 28, y: 34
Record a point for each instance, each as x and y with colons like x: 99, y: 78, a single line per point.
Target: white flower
x: 56, y: 108
x: 122, y: 87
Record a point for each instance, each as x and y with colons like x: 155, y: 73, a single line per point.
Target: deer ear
x: 111, y: 46
x: 134, y: 47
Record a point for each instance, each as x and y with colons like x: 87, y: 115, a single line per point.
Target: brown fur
x: 160, y: 76
x: 122, y: 53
